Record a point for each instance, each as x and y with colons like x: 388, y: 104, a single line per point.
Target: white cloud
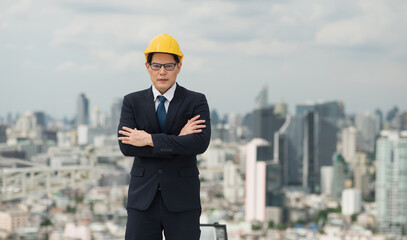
x: 120, y: 62
x: 28, y: 63
x: 72, y: 66
x: 18, y: 8
x: 371, y: 26
x: 9, y: 11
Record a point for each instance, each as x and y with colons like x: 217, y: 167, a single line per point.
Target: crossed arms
x: 192, y: 139
x: 141, y: 138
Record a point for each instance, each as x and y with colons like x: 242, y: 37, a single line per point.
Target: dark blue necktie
x: 161, y: 113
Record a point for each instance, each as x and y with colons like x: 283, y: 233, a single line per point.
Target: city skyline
x: 349, y: 51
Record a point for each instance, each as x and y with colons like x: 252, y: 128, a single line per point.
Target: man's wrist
x: 150, y: 141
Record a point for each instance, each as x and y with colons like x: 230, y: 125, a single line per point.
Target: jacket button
x: 160, y: 171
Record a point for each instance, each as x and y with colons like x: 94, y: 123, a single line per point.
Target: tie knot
x: 161, y: 98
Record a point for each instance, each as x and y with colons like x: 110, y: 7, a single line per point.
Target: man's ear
x: 147, y: 65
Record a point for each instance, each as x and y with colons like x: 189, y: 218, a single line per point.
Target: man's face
x: 163, y: 79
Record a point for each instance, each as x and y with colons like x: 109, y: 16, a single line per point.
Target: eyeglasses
x: 167, y: 66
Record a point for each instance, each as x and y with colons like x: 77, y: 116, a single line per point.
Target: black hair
x: 150, y: 57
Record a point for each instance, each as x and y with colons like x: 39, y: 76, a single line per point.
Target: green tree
x: 256, y: 227
x: 281, y: 226
x: 46, y: 222
x: 354, y: 217
x: 70, y: 209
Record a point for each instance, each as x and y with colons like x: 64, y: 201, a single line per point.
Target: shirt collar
x: 169, y: 94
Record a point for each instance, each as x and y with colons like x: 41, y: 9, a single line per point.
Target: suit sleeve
x: 190, y: 144
x: 127, y: 119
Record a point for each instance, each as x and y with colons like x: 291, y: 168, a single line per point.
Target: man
x: 164, y: 127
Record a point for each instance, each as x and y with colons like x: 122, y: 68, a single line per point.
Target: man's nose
x: 162, y: 70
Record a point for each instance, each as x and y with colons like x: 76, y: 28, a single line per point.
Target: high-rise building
x: 40, y: 116
x: 115, y: 115
x: 351, y: 201
x: 332, y: 111
x: 261, y: 99
x: 82, y: 110
x: 340, y: 173
x: 403, y: 121
x: 288, y: 150
x: 392, y: 114
x: 263, y: 181
x: 361, y: 174
x: 311, y: 165
x: 233, y: 185
x: 378, y: 121
x: 27, y: 127
x: 321, y: 125
x: 349, y: 138
x: 366, y: 125
x: 327, y: 177
x: 391, y: 182
x: 266, y: 122
x: 3, y: 134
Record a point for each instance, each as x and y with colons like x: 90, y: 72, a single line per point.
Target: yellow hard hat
x: 164, y: 43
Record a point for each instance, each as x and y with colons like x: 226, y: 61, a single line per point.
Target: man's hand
x: 193, y: 126
x: 138, y: 138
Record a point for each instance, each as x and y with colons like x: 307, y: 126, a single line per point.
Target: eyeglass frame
x: 163, y: 65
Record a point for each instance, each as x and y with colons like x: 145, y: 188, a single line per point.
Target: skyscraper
x: 3, y: 134
x: 266, y: 123
x: 321, y: 125
x: 327, y: 177
x: 261, y: 98
x: 366, y: 124
x: 349, y: 137
x: 391, y: 182
x: 40, y: 116
x: 341, y: 173
x: 232, y: 183
x: 82, y: 110
x: 115, y: 111
x: 311, y: 166
x: 263, y: 181
x: 289, y: 149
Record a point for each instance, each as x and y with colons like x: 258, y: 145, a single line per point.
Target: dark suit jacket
x: 171, y: 163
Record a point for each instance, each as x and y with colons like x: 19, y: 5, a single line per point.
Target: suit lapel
x: 150, y: 110
x: 174, y: 106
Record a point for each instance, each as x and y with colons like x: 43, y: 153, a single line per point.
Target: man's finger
x: 124, y: 133
x: 195, y: 118
x: 127, y: 129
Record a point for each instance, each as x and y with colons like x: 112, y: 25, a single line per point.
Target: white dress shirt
x: 169, y: 95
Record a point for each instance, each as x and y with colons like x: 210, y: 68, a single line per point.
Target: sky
x: 354, y: 51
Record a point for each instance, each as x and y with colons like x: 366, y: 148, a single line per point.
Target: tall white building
x: 361, y: 174
x: 263, y: 187
x: 98, y: 118
x: 233, y: 186
x: 255, y: 185
x: 349, y: 137
x: 327, y: 177
x: 351, y: 201
x: 391, y: 182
